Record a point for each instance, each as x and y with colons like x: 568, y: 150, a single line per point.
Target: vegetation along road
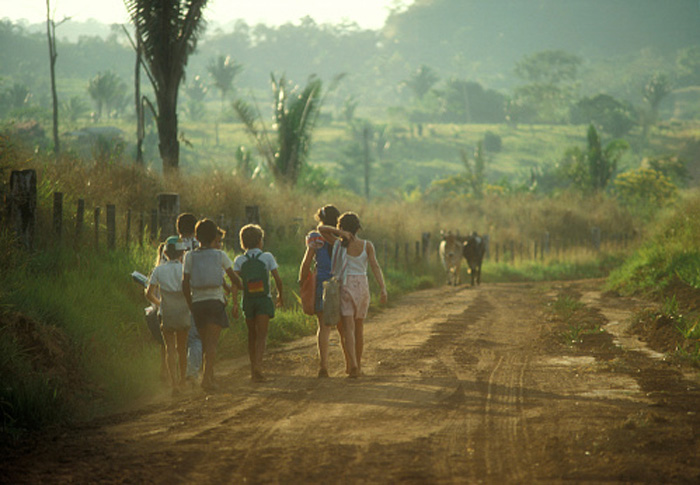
x: 505, y: 383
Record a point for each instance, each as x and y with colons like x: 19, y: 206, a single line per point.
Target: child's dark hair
x: 172, y: 253
x: 206, y: 231
x: 350, y: 222
x: 251, y: 235
x: 161, y: 251
x: 186, y: 223
x: 327, y: 215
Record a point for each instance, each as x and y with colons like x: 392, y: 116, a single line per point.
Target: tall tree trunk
x: 139, y: 105
x: 366, y: 133
x: 51, y: 33
x: 169, y: 146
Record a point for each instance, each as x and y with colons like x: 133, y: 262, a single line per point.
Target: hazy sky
x: 369, y: 14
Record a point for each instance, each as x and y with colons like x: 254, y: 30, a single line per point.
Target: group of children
x: 189, y: 287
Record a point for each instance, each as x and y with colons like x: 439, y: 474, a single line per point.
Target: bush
x: 492, y: 142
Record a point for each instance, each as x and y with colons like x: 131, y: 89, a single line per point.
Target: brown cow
x: 473, y: 251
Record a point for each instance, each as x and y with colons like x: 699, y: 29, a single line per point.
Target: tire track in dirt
x: 461, y: 387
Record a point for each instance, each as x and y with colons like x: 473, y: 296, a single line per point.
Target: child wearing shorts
x: 352, y: 255
x: 254, y: 268
x: 165, y: 291
x: 202, y: 283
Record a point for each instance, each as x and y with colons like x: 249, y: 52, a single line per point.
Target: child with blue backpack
x: 254, y: 268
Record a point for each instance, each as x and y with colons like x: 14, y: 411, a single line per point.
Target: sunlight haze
x: 369, y: 14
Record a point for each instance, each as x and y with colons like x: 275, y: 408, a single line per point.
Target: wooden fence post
x: 252, y: 214
x: 111, y: 227
x: 595, y: 236
x: 97, y: 227
x: 58, y: 215
x: 22, y: 206
x: 425, y: 239
x: 79, y: 221
x: 168, y: 210
x: 512, y: 252
x: 127, y: 236
x: 385, y: 255
x: 142, y: 222
x: 154, y: 225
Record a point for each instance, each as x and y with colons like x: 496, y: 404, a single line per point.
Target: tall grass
x: 85, y: 292
x: 670, y: 255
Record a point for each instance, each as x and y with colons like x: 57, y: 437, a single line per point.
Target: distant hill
x: 479, y: 36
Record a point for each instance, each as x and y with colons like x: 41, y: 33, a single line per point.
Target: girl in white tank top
x: 354, y: 256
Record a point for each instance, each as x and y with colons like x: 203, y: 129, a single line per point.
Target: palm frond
x: 250, y: 117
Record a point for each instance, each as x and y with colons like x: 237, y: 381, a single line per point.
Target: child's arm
x: 235, y: 279
x: 278, y: 282
x: 186, y: 290
x: 150, y: 293
x: 377, y: 271
x: 305, y: 267
x: 334, y: 231
x: 237, y: 284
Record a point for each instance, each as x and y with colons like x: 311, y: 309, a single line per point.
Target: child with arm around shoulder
x: 354, y: 290
x: 254, y: 268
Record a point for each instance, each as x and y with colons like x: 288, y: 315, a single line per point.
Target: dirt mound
x: 46, y: 348
x: 661, y: 330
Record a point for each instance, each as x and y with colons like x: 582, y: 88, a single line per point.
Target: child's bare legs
x: 169, y: 338
x: 164, y: 373
x: 257, y: 339
x: 181, y: 343
x: 350, y: 345
x: 359, y: 342
x: 210, y: 337
x: 322, y: 335
x: 341, y: 332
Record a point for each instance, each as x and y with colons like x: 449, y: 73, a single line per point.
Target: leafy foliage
x: 644, y: 188
x: 167, y: 32
x: 295, y: 113
x: 107, y: 91
x: 594, y: 168
x: 612, y: 116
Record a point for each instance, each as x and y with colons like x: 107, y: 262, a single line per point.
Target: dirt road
x: 461, y: 386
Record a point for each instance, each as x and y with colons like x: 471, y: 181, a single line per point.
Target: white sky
x: 369, y: 14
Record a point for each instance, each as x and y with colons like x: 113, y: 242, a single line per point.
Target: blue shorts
x: 209, y: 312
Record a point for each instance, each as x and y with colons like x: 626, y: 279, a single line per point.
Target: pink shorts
x: 354, y: 297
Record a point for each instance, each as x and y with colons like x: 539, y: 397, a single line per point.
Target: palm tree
x: 295, y: 115
x: 654, y: 91
x: 167, y: 31
x: 421, y: 81
x: 224, y: 71
x: 107, y: 90
x: 196, y: 91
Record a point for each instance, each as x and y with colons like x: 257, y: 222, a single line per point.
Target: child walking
x: 202, y: 284
x: 351, y: 256
x: 186, y: 223
x: 254, y: 268
x: 165, y: 291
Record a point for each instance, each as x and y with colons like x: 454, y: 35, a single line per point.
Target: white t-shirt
x: 173, y: 306
x: 168, y: 275
x: 202, y: 294
x: 266, y: 258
